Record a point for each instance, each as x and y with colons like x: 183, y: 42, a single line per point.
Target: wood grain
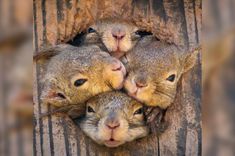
x: 177, y: 22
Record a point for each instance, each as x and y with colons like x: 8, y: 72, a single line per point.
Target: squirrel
x: 154, y: 69
x: 113, y: 118
x: 114, y: 36
x: 75, y: 74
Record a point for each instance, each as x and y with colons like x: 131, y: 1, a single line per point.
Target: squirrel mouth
x: 112, y: 143
x: 118, y: 49
x: 117, y: 54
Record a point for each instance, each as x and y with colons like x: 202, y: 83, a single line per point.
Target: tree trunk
x: 177, y: 22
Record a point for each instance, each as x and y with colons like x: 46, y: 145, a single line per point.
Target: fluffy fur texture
x: 116, y: 36
x: 113, y: 118
x: 75, y: 74
x: 154, y: 68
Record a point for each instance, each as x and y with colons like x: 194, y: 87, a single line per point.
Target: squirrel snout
x: 118, y: 34
x: 140, y: 83
x: 116, y: 65
x: 112, y: 124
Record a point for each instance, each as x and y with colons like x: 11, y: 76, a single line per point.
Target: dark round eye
x: 91, y: 30
x: 138, y: 32
x: 79, y: 82
x: 138, y: 111
x: 142, y: 33
x: 61, y: 95
x: 171, y: 78
x: 90, y: 110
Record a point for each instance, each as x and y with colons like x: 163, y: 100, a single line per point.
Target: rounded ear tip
x: 36, y: 57
x: 191, y: 59
x: 197, y: 50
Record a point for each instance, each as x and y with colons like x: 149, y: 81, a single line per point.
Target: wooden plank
x: 51, y: 19
x: 184, y: 133
x: 190, y: 16
x: 198, y: 20
x: 47, y: 144
x: 174, y: 21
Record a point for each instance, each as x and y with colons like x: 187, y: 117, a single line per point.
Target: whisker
x: 109, y: 85
x: 163, y: 93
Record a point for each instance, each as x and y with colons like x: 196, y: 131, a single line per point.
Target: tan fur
x: 103, y: 36
x: 149, y: 65
x: 113, y: 108
x: 74, y: 63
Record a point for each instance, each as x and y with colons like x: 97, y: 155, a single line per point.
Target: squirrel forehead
x: 68, y: 63
x: 155, y: 55
x: 113, y: 100
x: 82, y: 55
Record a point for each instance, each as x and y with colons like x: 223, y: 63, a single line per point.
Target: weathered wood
x: 61, y: 20
x: 177, y: 22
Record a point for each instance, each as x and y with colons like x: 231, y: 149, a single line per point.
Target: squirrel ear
x: 190, y: 60
x: 45, y: 54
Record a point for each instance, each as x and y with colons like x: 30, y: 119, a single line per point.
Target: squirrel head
x: 72, y: 73
x: 154, y: 69
x: 118, y: 36
x: 113, y: 118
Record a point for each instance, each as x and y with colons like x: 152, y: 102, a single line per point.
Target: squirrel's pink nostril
x: 118, y: 33
x: 118, y: 36
x: 116, y: 66
x: 113, y: 125
x: 140, y: 85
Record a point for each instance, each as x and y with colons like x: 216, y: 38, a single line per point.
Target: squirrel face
x: 154, y: 69
x: 113, y: 118
x: 74, y: 74
x: 117, y: 36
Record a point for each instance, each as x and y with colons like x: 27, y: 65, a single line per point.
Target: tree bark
x: 177, y: 22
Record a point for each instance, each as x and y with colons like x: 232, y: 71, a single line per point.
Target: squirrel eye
x: 171, y: 78
x: 91, y: 30
x: 90, y: 110
x: 138, y: 111
x: 142, y: 33
x: 138, y: 32
x: 79, y: 82
x: 61, y: 95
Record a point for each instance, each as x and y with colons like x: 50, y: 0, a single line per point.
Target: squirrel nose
x: 116, y: 66
x: 112, y: 124
x: 140, y: 84
x: 118, y: 34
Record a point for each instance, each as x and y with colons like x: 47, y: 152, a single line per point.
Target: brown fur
x: 103, y: 36
x: 112, y: 109
x: 149, y: 65
x: 67, y: 64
